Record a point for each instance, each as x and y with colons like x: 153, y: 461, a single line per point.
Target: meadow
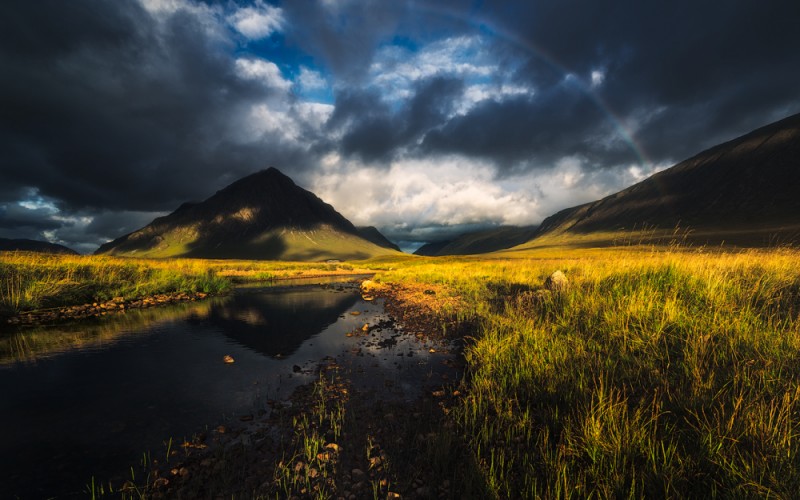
x: 661, y: 371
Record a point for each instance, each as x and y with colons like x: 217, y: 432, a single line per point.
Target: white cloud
x: 309, y: 80
x: 422, y: 193
x: 598, y: 77
x: 286, y: 123
x: 496, y: 91
x: 261, y: 70
x: 259, y: 21
x: 397, y: 68
x: 417, y: 197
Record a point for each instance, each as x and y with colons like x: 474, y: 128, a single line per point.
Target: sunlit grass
x: 31, y: 281
x: 658, y: 372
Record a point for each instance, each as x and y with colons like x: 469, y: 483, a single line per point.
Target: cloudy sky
x: 424, y: 118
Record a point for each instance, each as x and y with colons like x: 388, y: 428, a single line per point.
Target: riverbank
x: 40, y: 288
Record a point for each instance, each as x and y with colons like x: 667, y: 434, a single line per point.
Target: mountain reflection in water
x: 277, y: 323
x: 88, y: 398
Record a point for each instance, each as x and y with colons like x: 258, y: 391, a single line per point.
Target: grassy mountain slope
x: 743, y: 191
x: 262, y: 216
x: 371, y: 233
x: 477, y: 242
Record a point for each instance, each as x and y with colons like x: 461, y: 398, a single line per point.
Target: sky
x: 424, y: 118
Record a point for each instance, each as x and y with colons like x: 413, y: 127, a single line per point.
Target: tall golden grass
x: 658, y: 372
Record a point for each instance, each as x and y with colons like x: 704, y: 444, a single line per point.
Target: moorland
x: 655, y: 370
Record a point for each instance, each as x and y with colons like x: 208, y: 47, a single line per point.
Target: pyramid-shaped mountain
x: 262, y: 216
x: 744, y: 191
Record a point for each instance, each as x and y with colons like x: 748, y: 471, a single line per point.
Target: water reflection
x: 29, y: 344
x: 276, y: 323
x: 87, y: 399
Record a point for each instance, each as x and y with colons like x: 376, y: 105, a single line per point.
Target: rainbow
x: 529, y: 47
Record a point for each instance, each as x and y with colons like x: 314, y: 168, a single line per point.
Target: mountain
x: 743, y: 191
x: 489, y: 240
x: 262, y: 216
x: 8, y: 245
x: 371, y: 233
x: 432, y: 249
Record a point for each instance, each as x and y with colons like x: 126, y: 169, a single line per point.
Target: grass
x: 30, y: 281
x: 659, y: 371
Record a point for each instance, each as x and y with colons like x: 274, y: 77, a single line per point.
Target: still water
x: 90, y: 398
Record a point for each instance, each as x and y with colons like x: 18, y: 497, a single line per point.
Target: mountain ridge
x: 26, y: 245
x: 478, y: 242
x: 264, y: 215
x: 744, y: 185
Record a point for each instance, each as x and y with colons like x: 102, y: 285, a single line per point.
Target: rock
x: 228, y: 359
x: 424, y: 492
x: 556, y: 282
x: 357, y: 475
x: 160, y: 482
x: 297, y: 368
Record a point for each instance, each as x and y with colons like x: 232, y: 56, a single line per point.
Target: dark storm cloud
x: 714, y: 70
x: 343, y: 35
x: 114, y: 114
x: 532, y: 130
x: 373, y: 131
x: 102, y: 106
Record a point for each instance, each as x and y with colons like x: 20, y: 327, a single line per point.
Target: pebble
x: 357, y: 475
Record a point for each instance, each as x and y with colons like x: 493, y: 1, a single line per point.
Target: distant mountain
x: 489, y: 240
x: 371, y: 233
x: 744, y: 191
x: 262, y: 216
x: 432, y: 249
x: 8, y: 245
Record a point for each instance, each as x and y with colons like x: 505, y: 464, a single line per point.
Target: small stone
x: 424, y: 492
x: 357, y: 475
x: 228, y: 359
